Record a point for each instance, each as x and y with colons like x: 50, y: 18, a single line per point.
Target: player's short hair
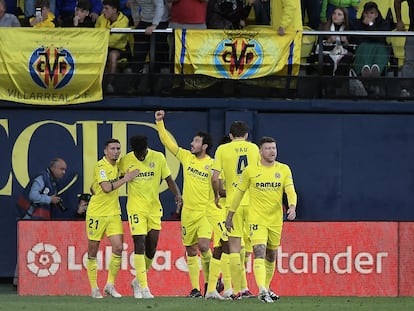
x: 238, y: 128
x: 139, y: 143
x: 113, y: 3
x: 111, y: 141
x: 206, y: 139
x: 266, y: 139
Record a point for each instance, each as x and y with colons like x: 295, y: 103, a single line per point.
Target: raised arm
x: 162, y: 132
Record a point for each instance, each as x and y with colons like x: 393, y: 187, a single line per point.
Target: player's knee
x: 117, y: 249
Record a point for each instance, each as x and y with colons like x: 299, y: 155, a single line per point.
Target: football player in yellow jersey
x: 198, y: 198
x: 231, y: 159
x: 103, y: 216
x: 144, y: 206
x: 266, y: 182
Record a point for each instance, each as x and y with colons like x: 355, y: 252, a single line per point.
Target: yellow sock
x: 235, y: 270
x: 114, y: 266
x: 193, y: 271
x: 215, y: 267
x: 225, y: 271
x: 92, y: 269
x: 140, y: 268
x: 148, y: 263
x: 270, y: 271
x: 259, y: 271
x: 205, y: 264
x: 243, y: 279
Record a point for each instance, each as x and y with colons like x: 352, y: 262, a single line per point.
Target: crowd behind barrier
x: 311, y: 82
x: 329, y: 67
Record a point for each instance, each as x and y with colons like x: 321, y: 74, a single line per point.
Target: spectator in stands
x: 261, y: 12
x: 313, y: 10
x: 112, y: 17
x: 228, y: 14
x: 329, y: 5
x: 286, y: 16
x: 408, y: 67
x: 126, y: 10
x: 337, y: 54
x: 81, y: 17
x: 154, y: 15
x: 31, y: 5
x: 190, y: 14
x: 371, y: 55
x: 66, y: 11
x: 45, y: 18
x: 7, y: 19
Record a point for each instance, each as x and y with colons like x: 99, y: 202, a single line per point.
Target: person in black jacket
x: 372, y: 53
x: 228, y: 14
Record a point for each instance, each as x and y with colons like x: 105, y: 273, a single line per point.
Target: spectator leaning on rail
x: 7, y: 19
x: 112, y: 17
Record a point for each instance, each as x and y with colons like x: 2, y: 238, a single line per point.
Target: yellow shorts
x: 97, y: 226
x: 194, y: 225
x: 266, y: 235
x: 246, y: 230
x: 142, y: 223
x: 217, y: 222
x: 239, y: 219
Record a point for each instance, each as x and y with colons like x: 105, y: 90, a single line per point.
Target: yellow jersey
x: 232, y: 159
x: 197, y: 189
x: 266, y: 186
x: 143, y: 190
x: 101, y: 203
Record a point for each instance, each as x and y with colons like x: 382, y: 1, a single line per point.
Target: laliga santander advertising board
x: 315, y: 258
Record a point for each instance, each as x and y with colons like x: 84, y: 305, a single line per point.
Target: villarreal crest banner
x: 58, y: 66
x: 237, y: 54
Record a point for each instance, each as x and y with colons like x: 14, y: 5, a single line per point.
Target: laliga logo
x: 43, y: 260
x: 238, y: 58
x: 51, y: 67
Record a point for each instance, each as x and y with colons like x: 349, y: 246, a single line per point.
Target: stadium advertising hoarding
x: 315, y: 258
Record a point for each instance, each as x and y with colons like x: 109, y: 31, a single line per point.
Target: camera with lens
x: 60, y: 205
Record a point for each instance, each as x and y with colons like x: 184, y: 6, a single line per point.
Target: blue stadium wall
x: 351, y: 160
